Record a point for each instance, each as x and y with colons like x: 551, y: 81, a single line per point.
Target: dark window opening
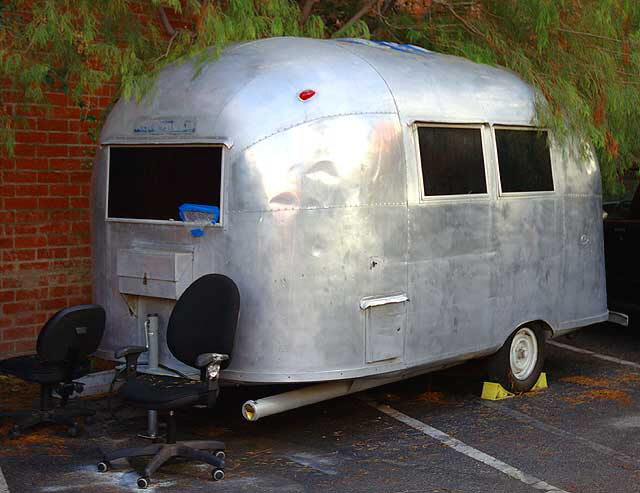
x: 452, y: 161
x: 152, y: 182
x: 524, y: 161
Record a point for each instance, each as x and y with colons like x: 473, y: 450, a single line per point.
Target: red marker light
x: 306, y: 94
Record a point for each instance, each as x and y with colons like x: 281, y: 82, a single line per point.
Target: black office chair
x: 200, y: 333
x: 64, y: 343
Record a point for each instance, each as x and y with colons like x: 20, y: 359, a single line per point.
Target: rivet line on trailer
x: 604, y: 357
x: 467, y: 450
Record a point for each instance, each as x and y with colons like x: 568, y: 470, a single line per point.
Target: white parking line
x: 4, y: 487
x: 467, y: 450
x: 604, y: 357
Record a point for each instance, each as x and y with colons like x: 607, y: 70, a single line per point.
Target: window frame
x: 456, y: 197
x: 219, y: 224
x: 532, y: 193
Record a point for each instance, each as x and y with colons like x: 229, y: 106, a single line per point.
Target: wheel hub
x: 524, y: 353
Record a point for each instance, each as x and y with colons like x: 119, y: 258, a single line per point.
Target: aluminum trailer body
x: 346, y: 267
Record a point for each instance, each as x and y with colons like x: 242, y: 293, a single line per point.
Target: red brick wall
x: 45, y: 255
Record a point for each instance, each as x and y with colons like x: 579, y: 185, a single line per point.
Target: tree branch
x: 468, y: 26
x: 166, y: 53
x: 306, y: 11
x: 165, y: 22
x: 590, y: 35
x: 355, y: 18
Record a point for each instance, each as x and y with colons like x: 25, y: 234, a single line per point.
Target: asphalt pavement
x: 428, y: 434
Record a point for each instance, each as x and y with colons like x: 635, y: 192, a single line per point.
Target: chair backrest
x: 71, y: 333
x: 204, y: 319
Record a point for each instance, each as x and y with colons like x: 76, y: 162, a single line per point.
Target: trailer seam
x: 284, y: 129
x: 583, y: 195
x: 380, y: 204
x: 373, y: 67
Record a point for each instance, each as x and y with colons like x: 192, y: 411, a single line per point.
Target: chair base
x: 29, y: 419
x: 162, y: 452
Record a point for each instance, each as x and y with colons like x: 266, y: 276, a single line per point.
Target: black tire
x: 514, y: 377
x: 220, y: 454
x: 143, y: 483
x: 103, y: 466
x: 217, y: 474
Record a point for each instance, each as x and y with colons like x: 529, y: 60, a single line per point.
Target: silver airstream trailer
x: 384, y: 210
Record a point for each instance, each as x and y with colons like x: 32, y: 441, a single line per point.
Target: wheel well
x: 548, y: 330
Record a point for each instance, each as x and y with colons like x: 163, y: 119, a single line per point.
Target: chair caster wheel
x: 14, y: 432
x: 72, y: 431
x: 217, y: 474
x: 220, y: 454
x: 103, y: 466
x: 143, y: 483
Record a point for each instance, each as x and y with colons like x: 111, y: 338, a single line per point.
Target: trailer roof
x: 251, y: 91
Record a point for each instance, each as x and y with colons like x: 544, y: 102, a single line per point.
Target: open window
x: 452, y: 160
x: 524, y: 160
x: 151, y: 182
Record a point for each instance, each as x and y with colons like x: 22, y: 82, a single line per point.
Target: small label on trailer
x: 165, y: 126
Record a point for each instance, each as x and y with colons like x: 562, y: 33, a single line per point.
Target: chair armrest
x: 209, y: 364
x: 131, y: 355
x: 206, y: 359
x: 126, y: 351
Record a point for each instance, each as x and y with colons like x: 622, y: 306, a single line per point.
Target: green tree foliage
x: 582, y: 55
x: 78, y: 45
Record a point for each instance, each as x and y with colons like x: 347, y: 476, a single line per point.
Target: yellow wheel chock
x: 494, y: 391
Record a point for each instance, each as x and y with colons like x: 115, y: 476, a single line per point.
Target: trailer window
x: 452, y: 161
x: 152, y: 182
x: 524, y: 161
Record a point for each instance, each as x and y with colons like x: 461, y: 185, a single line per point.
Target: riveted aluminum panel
x: 451, y: 259
x: 584, y: 275
x: 527, y: 235
x: 322, y: 208
x: 442, y: 88
x: 313, y: 286
x: 346, y: 161
x: 251, y: 91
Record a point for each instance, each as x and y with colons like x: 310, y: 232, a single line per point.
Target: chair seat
x: 32, y: 369
x: 157, y: 392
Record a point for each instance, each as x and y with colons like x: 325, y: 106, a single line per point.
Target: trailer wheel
x: 518, y: 363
